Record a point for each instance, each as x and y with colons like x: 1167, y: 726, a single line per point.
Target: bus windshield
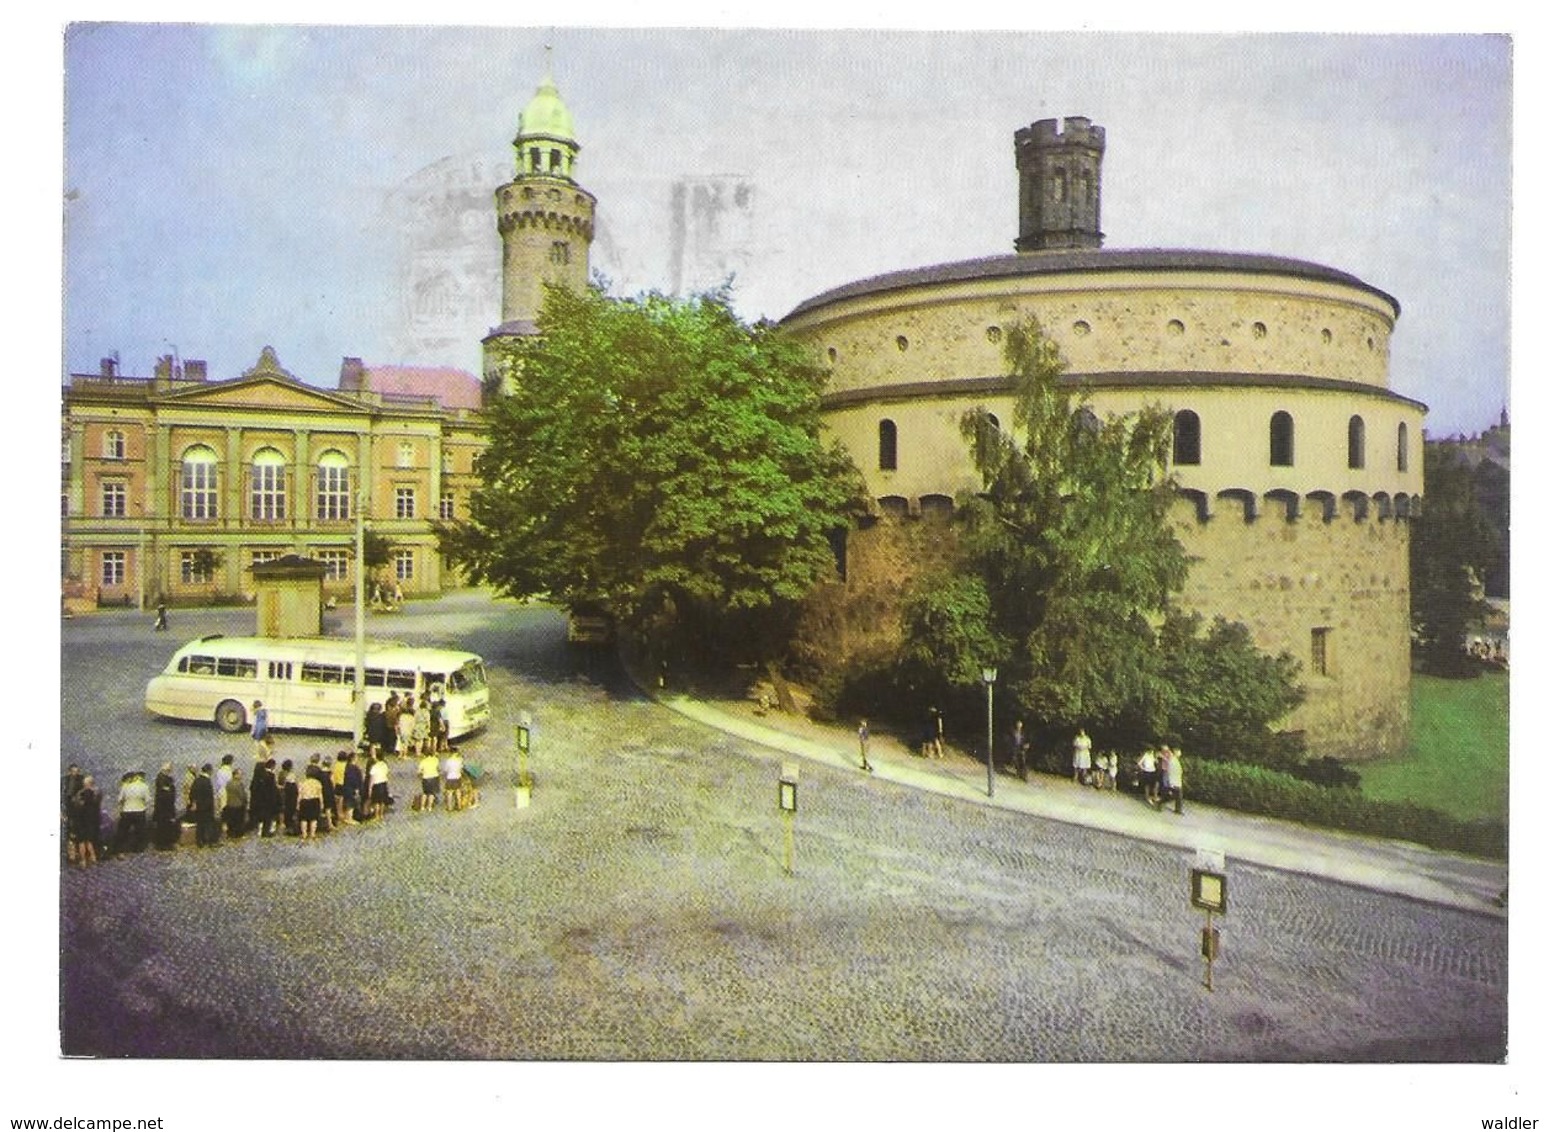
x: 468, y: 678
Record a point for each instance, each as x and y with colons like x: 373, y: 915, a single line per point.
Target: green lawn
x: 1457, y: 752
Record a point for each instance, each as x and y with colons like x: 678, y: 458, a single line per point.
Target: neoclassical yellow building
x: 1299, y: 465
x: 174, y: 486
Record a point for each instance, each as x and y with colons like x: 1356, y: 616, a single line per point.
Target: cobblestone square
x: 639, y: 910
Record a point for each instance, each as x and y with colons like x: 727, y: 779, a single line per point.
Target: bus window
x: 199, y: 665
x: 322, y: 674
x: 236, y: 666
x: 279, y: 670
x: 467, y: 678
x: 376, y: 678
x: 400, y: 678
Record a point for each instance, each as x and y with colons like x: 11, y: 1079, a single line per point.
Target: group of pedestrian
x: 402, y: 727
x: 219, y: 803
x: 1160, y: 774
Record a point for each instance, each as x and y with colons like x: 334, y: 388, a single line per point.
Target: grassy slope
x: 1457, y: 752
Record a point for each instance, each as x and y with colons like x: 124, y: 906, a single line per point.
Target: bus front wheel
x: 230, y: 716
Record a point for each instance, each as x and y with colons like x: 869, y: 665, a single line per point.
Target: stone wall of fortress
x: 1310, y: 552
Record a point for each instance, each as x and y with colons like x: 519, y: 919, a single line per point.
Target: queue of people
x: 216, y: 802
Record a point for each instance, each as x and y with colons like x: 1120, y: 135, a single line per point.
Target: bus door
x: 277, y: 681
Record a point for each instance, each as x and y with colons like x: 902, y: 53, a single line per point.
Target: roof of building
x: 1084, y: 260
x: 452, y: 388
x: 546, y: 114
x: 514, y: 328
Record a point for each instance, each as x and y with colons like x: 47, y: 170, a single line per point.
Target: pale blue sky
x: 225, y: 185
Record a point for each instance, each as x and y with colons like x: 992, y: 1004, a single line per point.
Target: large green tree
x: 662, y: 457
x: 1071, y: 538
x: 1451, y: 545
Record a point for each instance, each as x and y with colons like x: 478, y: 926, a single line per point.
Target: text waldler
x: 1510, y: 1122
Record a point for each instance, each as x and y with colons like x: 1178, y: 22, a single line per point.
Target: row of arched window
x: 1187, y: 445
x: 198, y: 488
x: 1282, y: 441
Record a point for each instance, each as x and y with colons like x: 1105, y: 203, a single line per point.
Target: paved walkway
x: 1396, y: 867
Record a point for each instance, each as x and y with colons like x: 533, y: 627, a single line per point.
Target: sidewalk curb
x: 1397, y: 868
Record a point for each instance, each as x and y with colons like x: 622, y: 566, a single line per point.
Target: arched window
x: 1356, y: 444
x: 268, y: 487
x: 887, y: 446
x: 113, y: 445
x: 198, y: 493
x: 333, y: 486
x: 1185, y: 437
x: 1282, y: 440
x: 1403, y: 447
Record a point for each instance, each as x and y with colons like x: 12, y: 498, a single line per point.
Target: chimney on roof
x: 109, y: 367
x: 352, y: 375
x: 194, y: 369
x: 164, y: 370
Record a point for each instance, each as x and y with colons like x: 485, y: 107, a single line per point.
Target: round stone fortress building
x: 1299, y: 467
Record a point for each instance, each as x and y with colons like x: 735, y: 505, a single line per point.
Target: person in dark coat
x: 201, y: 807
x: 377, y: 731
x: 390, y: 715
x: 86, y: 821
x: 235, y: 811
x: 289, y: 795
x: 264, y: 798
x: 69, y: 785
x: 354, y: 784
x: 164, y: 823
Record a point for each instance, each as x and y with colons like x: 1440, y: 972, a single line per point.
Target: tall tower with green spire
x: 545, y: 219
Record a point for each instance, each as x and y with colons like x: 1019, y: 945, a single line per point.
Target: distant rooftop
x: 1084, y: 260
x: 449, y: 387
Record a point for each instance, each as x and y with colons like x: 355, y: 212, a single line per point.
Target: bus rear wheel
x: 230, y: 716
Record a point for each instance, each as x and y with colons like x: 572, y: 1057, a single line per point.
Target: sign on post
x: 790, y: 775
x: 523, y: 745
x: 1207, y: 890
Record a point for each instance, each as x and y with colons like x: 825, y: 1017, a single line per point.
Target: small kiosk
x: 290, y: 597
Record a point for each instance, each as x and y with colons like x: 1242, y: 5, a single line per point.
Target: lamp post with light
x: 988, y: 674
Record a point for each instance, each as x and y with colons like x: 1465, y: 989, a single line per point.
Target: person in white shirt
x: 452, y: 771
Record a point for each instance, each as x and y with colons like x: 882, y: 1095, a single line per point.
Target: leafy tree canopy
x: 1072, y: 541
x: 662, y: 457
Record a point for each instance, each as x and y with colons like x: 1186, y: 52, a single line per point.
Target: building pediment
x: 263, y: 392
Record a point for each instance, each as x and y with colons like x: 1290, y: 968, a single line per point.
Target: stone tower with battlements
x: 546, y: 220
x: 1060, y: 178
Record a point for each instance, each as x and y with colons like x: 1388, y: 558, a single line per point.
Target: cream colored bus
x: 309, y: 683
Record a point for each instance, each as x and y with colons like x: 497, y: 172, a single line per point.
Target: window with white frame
x: 113, y: 572
x: 406, y: 454
x: 198, y: 494
x: 268, y: 494
x: 336, y: 564
x: 333, y: 486
x: 262, y: 556
x: 195, y: 568
x: 403, y: 565
x: 115, y: 499
x: 448, y: 505
x: 403, y: 503
x: 113, y: 444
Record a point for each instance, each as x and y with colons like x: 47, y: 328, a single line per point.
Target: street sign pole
x: 790, y: 774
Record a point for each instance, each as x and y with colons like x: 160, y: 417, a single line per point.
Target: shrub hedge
x: 1254, y: 790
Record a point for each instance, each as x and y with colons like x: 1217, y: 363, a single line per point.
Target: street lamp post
x: 988, y: 673
x: 360, y: 614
